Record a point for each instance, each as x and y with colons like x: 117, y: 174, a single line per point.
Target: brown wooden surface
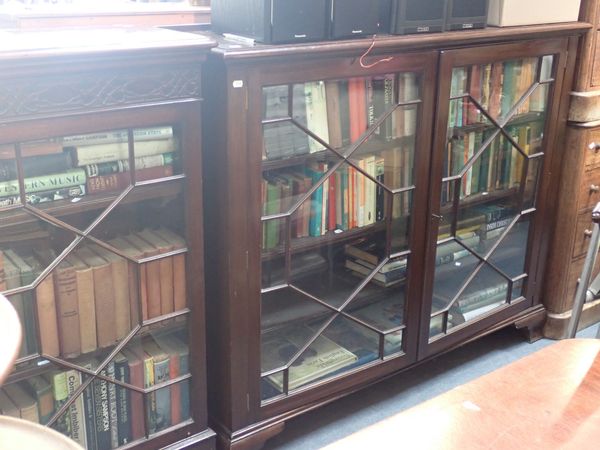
x: 547, y: 400
x: 133, y: 14
x: 235, y: 50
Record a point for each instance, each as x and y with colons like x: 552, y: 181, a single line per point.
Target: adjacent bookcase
x: 367, y: 213
x: 101, y: 242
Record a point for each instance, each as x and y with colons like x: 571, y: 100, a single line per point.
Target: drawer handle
x: 594, y: 147
x: 594, y: 188
x: 587, y: 233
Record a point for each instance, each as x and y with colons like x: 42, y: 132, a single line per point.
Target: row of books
x: 106, y: 416
x: 73, y: 166
x: 500, y: 166
x: 337, y: 111
x: 345, y: 200
x: 90, y: 300
x: 497, y: 87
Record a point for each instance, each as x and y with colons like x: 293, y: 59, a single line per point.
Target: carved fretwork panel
x: 89, y: 91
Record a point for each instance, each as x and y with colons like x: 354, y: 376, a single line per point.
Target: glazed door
x: 494, y: 137
x: 340, y: 160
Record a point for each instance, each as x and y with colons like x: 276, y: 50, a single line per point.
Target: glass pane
x: 383, y: 309
x: 157, y: 354
x: 486, y: 291
x: 274, y: 239
x: 465, y: 117
x: 284, y: 140
x: 283, y: 189
x: 322, y: 358
x: 454, y: 264
x: 388, y: 154
x: 401, y: 214
x: 358, y: 339
x: 498, y: 87
x: 546, y: 69
x: 447, y: 215
x: 528, y: 130
x: 531, y: 183
x: 9, y: 186
x: 509, y: 256
x: 51, y: 173
x: 518, y: 289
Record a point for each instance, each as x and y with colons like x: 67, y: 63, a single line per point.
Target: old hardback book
x: 46, y: 310
x: 104, y: 298
x: 67, y: 307
x: 60, y: 392
x: 137, y: 280
x: 166, y: 268
x: 151, y: 274
x: 7, y: 407
x: 136, y: 378
x: 160, y: 400
x: 179, y: 271
x: 120, y: 278
x: 84, y: 275
x: 27, y: 277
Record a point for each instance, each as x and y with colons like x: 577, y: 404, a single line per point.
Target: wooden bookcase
x: 101, y: 234
x: 579, y: 186
x: 418, y: 250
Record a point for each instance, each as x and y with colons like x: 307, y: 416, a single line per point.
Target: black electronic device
x: 271, y: 21
x: 466, y: 14
x: 352, y: 18
x: 418, y: 16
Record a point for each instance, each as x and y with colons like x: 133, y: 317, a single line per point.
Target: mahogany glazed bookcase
x: 101, y: 241
x: 364, y: 214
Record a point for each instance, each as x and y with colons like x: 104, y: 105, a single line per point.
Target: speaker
x: 466, y: 14
x: 418, y: 16
x: 351, y: 18
x: 271, y: 21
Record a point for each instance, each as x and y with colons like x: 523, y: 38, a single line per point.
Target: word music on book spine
x: 74, y: 166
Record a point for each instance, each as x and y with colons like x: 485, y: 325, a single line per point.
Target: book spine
x: 48, y: 321
x: 102, y: 413
x: 119, y: 181
x: 184, y: 368
x: 105, y: 306
x: 113, y: 407
x: 36, y: 166
x: 89, y: 411
x: 136, y: 375
x: 65, y: 285
x: 61, y: 395
x: 112, y: 137
x: 123, y: 403
x: 144, y: 162
x: 76, y: 412
x: 73, y: 177
x: 162, y: 417
x: 87, y: 311
x: 94, y: 154
x: 151, y: 398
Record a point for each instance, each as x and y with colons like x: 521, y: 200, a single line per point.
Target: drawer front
x: 583, y: 233
x: 574, y: 274
x: 592, y: 152
x: 589, y: 192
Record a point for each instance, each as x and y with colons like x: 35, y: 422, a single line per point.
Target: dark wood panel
x: 589, y: 193
x: 583, y: 233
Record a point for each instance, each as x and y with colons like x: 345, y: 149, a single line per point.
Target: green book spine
x: 272, y: 207
x: 61, y: 395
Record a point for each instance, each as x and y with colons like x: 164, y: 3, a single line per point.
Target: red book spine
x: 136, y: 378
x: 174, y: 372
x: 331, y: 203
x: 119, y: 181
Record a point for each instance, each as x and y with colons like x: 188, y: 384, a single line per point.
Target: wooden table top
x: 547, y: 400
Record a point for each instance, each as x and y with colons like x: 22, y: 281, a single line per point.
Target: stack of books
x: 74, y: 166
